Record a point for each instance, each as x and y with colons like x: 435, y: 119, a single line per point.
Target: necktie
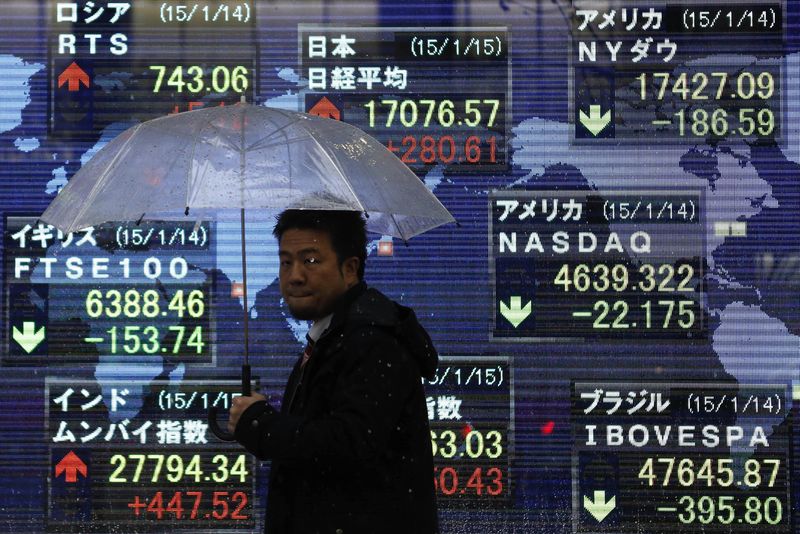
x: 307, y: 351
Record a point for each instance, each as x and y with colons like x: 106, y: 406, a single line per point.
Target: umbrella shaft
x: 244, y: 295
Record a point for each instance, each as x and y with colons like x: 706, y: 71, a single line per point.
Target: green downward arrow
x: 29, y: 338
x: 599, y: 507
x: 515, y: 313
x: 595, y: 121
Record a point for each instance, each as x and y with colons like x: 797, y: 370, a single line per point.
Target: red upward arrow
x: 72, y: 465
x: 325, y: 109
x: 73, y: 76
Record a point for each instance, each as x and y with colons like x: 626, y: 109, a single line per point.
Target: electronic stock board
x: 617, y: 311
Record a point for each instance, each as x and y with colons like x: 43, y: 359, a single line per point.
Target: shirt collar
x: 340, y: 311
x: 319, y: 327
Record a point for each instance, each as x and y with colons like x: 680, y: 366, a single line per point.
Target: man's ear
x: 350, y: 270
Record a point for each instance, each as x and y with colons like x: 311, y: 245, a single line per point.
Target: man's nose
x: 296, y: 274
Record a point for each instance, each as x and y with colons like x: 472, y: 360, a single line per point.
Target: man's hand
x: 238, y: 406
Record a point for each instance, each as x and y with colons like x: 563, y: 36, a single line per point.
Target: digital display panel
x: 664, y: 452
x: 156, y: 53
x: 144, y: 469
x: 397, y: 85
x: 617, y: 311
x: 542, y: 241
x: 132, y: 281
x: 471, y: 432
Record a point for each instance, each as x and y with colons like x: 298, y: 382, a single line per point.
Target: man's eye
x: 312, y: 260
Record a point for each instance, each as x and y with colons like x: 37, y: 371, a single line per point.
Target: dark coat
x: 350, y: 448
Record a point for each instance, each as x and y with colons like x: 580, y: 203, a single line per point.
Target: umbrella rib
x: 93, y: 193
x: 338, y: 168
x: 271, y: 134
x: 256, y: 146
x: 377, y: 189
x: 396, y: 225
x: 196, y: 186
x: 223, y: 136
x: 189, y: 180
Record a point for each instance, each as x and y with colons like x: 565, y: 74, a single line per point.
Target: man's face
x: 310, y: 277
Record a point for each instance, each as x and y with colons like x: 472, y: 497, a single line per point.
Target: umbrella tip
x: 186, y: 211
x: 458, y: 224
x: 139, y: 220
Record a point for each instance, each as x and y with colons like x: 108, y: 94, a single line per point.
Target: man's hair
x: 346, y: 229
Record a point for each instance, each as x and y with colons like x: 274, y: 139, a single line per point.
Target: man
x: 350, y: 447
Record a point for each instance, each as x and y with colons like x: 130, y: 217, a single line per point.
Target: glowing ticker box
x: 120, y: 290
x: 138, y: 453
x: 433, y: 96
x: 675, y: 73
x: 574, y: 265
x: 668, y: 457
x: 471, y: 416
x: 106, y: 70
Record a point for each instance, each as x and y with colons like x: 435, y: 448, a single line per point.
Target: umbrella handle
x: 217, y: 430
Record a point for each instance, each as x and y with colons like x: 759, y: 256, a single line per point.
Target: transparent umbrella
x: 196, y: 164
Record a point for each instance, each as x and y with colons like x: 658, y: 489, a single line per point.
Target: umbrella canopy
x: 245, y: 156
x: 203, y: 162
